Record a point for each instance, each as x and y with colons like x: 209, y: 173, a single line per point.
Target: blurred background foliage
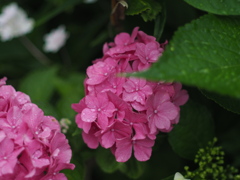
x: 55, y: 86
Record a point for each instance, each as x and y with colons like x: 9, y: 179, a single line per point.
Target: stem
x: 35, y: 51
x: 117, y: 15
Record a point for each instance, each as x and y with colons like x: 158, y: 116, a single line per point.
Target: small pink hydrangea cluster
x: 126, y: 113
x: 31, y: 144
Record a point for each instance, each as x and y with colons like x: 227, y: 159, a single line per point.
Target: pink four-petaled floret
x: 126, y: 113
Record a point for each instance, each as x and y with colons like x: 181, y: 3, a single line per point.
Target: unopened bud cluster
x: 211, y: 165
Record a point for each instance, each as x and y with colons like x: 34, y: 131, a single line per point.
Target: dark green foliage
x: 148, y: 9
x: 221, y: 7
x: 194, y: 130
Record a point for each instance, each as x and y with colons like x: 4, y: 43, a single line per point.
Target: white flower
x: 55, y: 39
x: 14, y: 22
x: 179, y: 176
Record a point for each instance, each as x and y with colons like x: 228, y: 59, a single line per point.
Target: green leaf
x: 39, y: 84
x: 194, y: 130
x: 150, y: 14
x: 160, y: 22
x: 137, y: 6
x: 106, y: 161
x: 71, y: 85
x: 132, y: 168
x: 78, y: 173
x: 71, y: 90
x: 221, y: 7
x: 229, y: 103
x: 64, y: 107
x: 148, y: 9
x: 204, y: 53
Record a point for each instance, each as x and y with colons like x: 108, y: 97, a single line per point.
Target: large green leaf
x: 39, y: 84
x: 150, y: 14
x: 194, y: 130
x: 132, y: 168
x: 107, y: 161
x: 148, y: 9
x: 79, y: 171
x: 71, y: 90
x: 71, y: 86
x: 229, y: 103
x: 137, y: 6
x: 221, y: 7
x: 203, y: 53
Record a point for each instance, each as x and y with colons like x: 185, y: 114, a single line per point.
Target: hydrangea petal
x: 123, y: 150
x: 88, y: 115
x: 143, y: 149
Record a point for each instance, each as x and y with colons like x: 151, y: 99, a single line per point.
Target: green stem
x: 35, y: 51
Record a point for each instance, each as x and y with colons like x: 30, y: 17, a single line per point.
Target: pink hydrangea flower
x: 31, y: 144
x: 122, y: 113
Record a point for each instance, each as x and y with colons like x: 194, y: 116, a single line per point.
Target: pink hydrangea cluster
x: 31, y: 144
x: 126, y: 113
